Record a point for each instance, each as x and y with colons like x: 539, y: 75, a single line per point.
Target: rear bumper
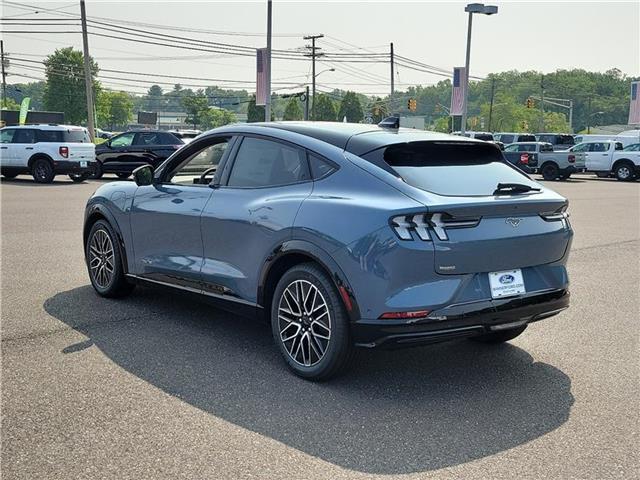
x: 456, y: 321
x: 72, y: 167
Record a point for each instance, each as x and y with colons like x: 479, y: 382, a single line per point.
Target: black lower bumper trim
x: 460, y: 321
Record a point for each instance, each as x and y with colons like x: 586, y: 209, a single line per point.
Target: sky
x: 542, y: 36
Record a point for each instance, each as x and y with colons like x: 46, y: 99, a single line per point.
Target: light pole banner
x: 634, y: 104
x: 24, y: 109
x: 457, y: 92
x: 261, y: 76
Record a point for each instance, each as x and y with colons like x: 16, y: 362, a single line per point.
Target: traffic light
x: 412, y: 104
x: 529, y: 102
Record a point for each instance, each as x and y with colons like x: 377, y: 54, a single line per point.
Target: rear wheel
x: 309, y: 323
x: 500, y: 336
x: 78, y: 177
x: 549, y: 171
x: 624, y: 172
x: 42, y: 171
x: 123, y: 175
x: 104, y: 262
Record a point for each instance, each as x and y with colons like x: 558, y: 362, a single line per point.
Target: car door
x: 114, y: 155
x: 7, y: 154
x: 165, y: 216
x: 251, y: 214
x: 598, y: 156
x: 22, y: 146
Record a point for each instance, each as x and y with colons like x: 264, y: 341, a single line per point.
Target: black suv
x: 123, y: 153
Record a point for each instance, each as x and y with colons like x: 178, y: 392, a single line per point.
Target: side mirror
x: 143, y: 175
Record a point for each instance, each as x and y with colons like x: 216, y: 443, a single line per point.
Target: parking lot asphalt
x: 157, y: 386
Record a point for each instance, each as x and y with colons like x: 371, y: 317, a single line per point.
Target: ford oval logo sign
x: 514, y: 222
x: 506, y: 279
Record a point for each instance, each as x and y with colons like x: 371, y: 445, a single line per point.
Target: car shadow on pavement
x: 394, y: 412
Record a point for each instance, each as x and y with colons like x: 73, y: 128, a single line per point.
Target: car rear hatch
x: 481, y: 214
x: 79, y: 145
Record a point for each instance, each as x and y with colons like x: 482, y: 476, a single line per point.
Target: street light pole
x: 87, y: 73
x: 471, y: 9
x: 267, y: 103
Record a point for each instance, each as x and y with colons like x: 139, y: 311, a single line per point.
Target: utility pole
x: 465, y: 92
x: 314, y: 53
x: 493, y: 87
x: 542, y: 103
x: 87, y: 72
x: 4, y: 76
x: 306, y: 103
x: 392, y: 82
x: 589, y: 117
x: 267, y: 104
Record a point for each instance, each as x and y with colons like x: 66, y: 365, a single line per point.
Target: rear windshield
x: 526, y: 138
x: 79, y: 135
x: 448, y: 168
x: 557, y: 139
x: 487, y: 137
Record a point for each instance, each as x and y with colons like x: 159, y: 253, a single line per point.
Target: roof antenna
x: 390, y: 122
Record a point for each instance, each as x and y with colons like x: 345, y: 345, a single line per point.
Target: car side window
x: 511, y: 148
x: 546, y: 148
x: 265, y: 163
x: 26, y: 135
x: 6, y: 135
x: 581, y: 147
x: 148, y: 138
x: 619, y: 146
x: 49, y: 136
x: 598, y: 147
x: 319, y: 167
x: 124, y: 140
x: 168, y: 139
x: 190, y: 172
x: 526, y: 148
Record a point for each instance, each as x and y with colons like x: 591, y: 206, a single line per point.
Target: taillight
x: 419, y: 223
x: 404, y: 315
x: 524, y: 158
x: 64, y: 152
x: 572, y: 158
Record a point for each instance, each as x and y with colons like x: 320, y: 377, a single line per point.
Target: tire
x: 624, y: 172
x: 314, y: 340
x: 123, y: 176
x: 549, y: 171
x: 97, y: 173
x: 42, y: 171
x: 500, y: 336
x: 78, y: 177
x: 102, y: 251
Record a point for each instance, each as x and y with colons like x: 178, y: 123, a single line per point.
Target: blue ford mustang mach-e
x: 340, y: 235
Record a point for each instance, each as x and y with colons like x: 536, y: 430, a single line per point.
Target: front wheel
x: 42, y: 171
x: 104, y: 262
x: 500, y: 336
x: 78, y: 177
x: 97, y: 172
x: 309, y: 323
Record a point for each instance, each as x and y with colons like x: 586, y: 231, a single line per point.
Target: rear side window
x: 76, y: 135
x: 619, y: 146
x: 546, y: 148
x: 552, y: 139
x: 171, y: 139
x: 526, y: 138
x: 50, y: 136
x: 24, y: 136
x: 449, y: 168
x: 320, y: 168
x: 263, y: 163
x: 6, y: 135
x: 507, y: 138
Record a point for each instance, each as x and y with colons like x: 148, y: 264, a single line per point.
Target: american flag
x: 634, y: 104
x: 261, y: 76
x: 457, y: 93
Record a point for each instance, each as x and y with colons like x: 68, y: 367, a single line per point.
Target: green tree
x: 65, y: 86
x: 216, y: 117
x: 255, y: 113
x: 351, y: 108
x: 154, y: 100
x: 114, y: 109
x: 10, y: 104
x: 293, y: 110
x: 195, y: 105
x: 325, y: 110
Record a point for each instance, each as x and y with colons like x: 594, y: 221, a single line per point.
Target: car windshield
x: 449, y: 168
x: 76, y: 135
x: 632, y: 148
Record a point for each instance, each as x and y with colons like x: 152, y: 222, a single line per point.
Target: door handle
x: 4, y: 148
x: 28, y: 148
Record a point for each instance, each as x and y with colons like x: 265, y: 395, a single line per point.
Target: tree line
x: 498, y: 102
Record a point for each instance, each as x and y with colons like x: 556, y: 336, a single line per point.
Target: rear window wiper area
x: 513, y: 188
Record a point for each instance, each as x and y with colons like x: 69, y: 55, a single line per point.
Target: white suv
x: 45, y: 151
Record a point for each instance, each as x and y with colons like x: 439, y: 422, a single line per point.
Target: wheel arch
x: 97, y: 212
x: 295, y: 252
x: 38, y: 156
x: 617, y: 163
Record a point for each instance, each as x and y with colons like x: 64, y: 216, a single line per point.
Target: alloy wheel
x: 101, y: 258
x: 304, y: 322
x: 624, y: 173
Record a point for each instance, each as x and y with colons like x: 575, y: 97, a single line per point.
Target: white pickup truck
x: 552, y: 165
x: 610, y: 158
